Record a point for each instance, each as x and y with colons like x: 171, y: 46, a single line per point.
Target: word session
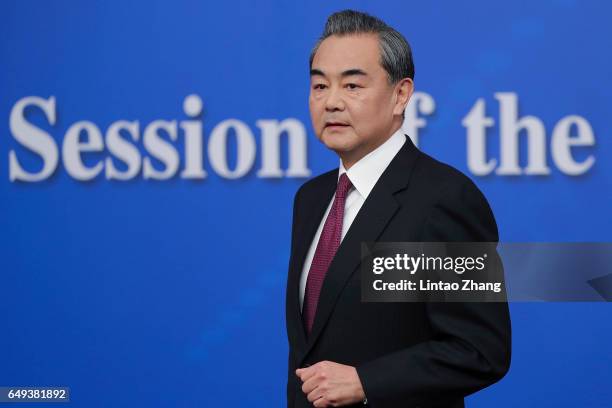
x: 124, y: 160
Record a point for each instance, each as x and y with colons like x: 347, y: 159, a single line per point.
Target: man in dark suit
x: 343, y: 351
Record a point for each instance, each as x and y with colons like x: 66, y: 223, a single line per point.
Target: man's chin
x: 339, y: 148
x: 337, y: 141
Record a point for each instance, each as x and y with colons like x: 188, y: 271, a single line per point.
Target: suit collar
x: 365, y: 173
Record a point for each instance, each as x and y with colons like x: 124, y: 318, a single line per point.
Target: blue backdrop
x: 147, y: 292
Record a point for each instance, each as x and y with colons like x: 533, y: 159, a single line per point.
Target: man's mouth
x: 336, y: 125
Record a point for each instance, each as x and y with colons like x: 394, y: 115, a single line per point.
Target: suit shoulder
x: 440, y: 178
x: 451, y: 191
x: 441, y: 183
x: 439, y: 174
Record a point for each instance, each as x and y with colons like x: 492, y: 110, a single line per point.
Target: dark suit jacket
x: 429, y: 354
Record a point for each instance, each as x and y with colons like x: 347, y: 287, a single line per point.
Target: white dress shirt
x: 363, y: 175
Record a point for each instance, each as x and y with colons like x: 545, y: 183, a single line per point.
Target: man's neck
x: 350, y: 158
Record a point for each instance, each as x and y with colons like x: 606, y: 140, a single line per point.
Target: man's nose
x: 334, y: 100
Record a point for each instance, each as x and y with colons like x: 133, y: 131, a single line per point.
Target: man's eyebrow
x: 353, y: 71
x: 318, y: 72
x: 348, y: 72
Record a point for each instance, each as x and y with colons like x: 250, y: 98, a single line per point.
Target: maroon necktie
x: 326, y: 249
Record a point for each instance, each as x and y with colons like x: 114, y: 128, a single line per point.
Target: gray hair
x: 395, y: 52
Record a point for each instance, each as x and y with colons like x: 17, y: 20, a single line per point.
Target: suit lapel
x: 370, y: 222
x: 315, y: 205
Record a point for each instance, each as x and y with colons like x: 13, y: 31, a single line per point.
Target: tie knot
x: 344, y: 185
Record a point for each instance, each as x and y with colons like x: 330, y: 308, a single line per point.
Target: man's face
x: 352, y: 104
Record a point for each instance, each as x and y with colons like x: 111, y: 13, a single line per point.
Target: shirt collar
x: 365, y: 173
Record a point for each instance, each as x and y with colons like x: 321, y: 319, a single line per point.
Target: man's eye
x: 319, y: 86
x: 352, y: 86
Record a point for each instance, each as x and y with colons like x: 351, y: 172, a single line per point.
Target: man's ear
x: 403, y: 92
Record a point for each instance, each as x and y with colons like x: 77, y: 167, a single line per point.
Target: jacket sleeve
x: 471, y: 344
